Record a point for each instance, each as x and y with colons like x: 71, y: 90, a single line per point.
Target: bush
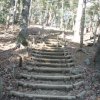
x: 2, y: 18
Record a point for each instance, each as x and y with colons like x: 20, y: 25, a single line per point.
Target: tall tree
x: 82, y: 24
x: 62, y: 13
x: 79, y: 25
x: 14, y: 9
x: 30, y: 11
x: 23, y: 34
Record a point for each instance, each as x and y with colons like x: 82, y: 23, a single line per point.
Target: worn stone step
x: 50, y: 74
x: 60, y: 41
x: 50, y: 49
x: 50, y: 53
x: 54, y: 48
x: 45, y: 73
x: 47, y: 97
x: 54, y: 82
x: 53, y: 36
x: 49, y: 69
x: 50, y: 86
x: 51, y: 60
x: 55, y: 72
x: 66, y: 71
x: 39, y: 96
x: 52, y: 40
x: 44, y: 77
x: 53, y: 45
x: 41, y: 64
x: 53, y: 56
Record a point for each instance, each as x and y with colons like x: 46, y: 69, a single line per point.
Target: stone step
x: 50, y: 49
x: 53, y: 45
x: 51, y: 36
x: 60, y: 41
x: 49, y: 69
x: 48, y: 60
x: 53, y: 48
x: 41, y: 64
x: 50, y: 53
x: 45, y: 73
x: 50, y: 86
x: 52, y: 40
x: 47, y: 97
x: 50, y: 74
x: 54, y: 82
x: 52, y: 60
x: 55, y: 40
x: 51, y: 78
x: 52, y: 56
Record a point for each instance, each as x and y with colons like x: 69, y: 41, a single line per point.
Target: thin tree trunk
x: 91, y: 25
x: 95, y: 30
x: 7, y: 22
x: 82, y: 25
x: 79, y: 25
x: 73, y: 22
x: 14, y: 12
x: 78, y: 22
x: 30, y: 11
x: 50, y: 17
x: 62, y: 14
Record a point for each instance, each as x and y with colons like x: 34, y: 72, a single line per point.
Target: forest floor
x: 9, y: 59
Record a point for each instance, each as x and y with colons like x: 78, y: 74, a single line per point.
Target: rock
x: 93, y: 97
x: 87, y: 61
x: 9, y: 88
x: 77, y: 71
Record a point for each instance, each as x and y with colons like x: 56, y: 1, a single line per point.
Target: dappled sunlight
x: 49, y: 49
x: 7, y: 46
x: 7, y: 41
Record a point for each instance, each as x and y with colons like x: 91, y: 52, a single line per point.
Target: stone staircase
x: 50, y: 74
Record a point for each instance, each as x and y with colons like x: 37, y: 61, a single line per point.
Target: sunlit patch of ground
x: 7, y: 40
x: 7, y: 46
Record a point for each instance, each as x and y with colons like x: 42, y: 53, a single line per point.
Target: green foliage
x: 94, y: 8
x: 42, y: 7
x: 4, y: 9
x: 2, y: 18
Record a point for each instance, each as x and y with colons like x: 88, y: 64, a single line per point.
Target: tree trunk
x: 82, y: 25
x: 62, y: 14
x: 95, y: 30
x: 78, y: 22
x: 7, y: 22
x: 23, y: 34
x: 14, y: 12
x: 30, y: 12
